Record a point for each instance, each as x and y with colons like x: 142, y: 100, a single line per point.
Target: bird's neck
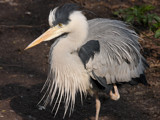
x: 78, y: 36
x: 64, y: 49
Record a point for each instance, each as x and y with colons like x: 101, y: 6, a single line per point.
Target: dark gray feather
x: 63, y: 12
x: 88, y: 51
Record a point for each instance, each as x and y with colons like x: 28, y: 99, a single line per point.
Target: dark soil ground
x: 23, y: 73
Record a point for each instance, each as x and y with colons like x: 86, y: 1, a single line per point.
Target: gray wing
x: 112, y: 52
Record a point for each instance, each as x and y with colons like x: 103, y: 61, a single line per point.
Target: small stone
x: 11, y: 110
x: 41, y: 107
x: 28, y: 13
x: 1, y: 115
x: 31, y: 118
x: 31, y: 75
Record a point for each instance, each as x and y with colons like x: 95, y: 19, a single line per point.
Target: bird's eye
x: 60, y: 24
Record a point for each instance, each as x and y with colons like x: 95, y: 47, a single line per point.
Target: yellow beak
x: 48, y: 35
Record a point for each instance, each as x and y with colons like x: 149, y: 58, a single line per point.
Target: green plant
x: 141, y: 15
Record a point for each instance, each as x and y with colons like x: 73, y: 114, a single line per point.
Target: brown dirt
x: 22, y: 73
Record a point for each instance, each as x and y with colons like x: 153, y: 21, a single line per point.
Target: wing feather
x: 119, y: 59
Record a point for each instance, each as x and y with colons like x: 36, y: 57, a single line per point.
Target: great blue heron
x: 89, y: 57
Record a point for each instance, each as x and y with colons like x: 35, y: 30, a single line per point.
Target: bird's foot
x: 115, y: 95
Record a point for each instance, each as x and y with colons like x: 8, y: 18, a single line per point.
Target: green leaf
x: 139, y: 20
x: 157, y: 33
x: 150, y: 18
x: 135, y: 12
x: 156, y: 25
x: 157, y: 18
x: 130, y: 19
x: 140, y: 15
x: 146, y: 8
x: 145, y: 20
x: 116, y: 13
x: 119, y: 13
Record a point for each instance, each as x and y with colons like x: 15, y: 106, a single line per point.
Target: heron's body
x: 98, y: 52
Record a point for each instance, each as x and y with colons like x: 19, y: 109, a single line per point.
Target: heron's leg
x: 116, y: 95
x: 98, y: 106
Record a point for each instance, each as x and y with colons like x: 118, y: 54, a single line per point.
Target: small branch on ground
x: 22, y: 26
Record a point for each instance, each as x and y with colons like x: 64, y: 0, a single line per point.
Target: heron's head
x: 63, y: 19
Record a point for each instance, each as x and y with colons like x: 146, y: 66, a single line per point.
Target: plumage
x: 89, y: 56
x: 88, y: 50
x: 119, y: 59
x: 62, y: 13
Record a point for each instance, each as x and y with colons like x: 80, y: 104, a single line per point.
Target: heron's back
x: 119, y: 59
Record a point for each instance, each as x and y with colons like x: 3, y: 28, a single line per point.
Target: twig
x: 21, y: 26
x: 9, y: 65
